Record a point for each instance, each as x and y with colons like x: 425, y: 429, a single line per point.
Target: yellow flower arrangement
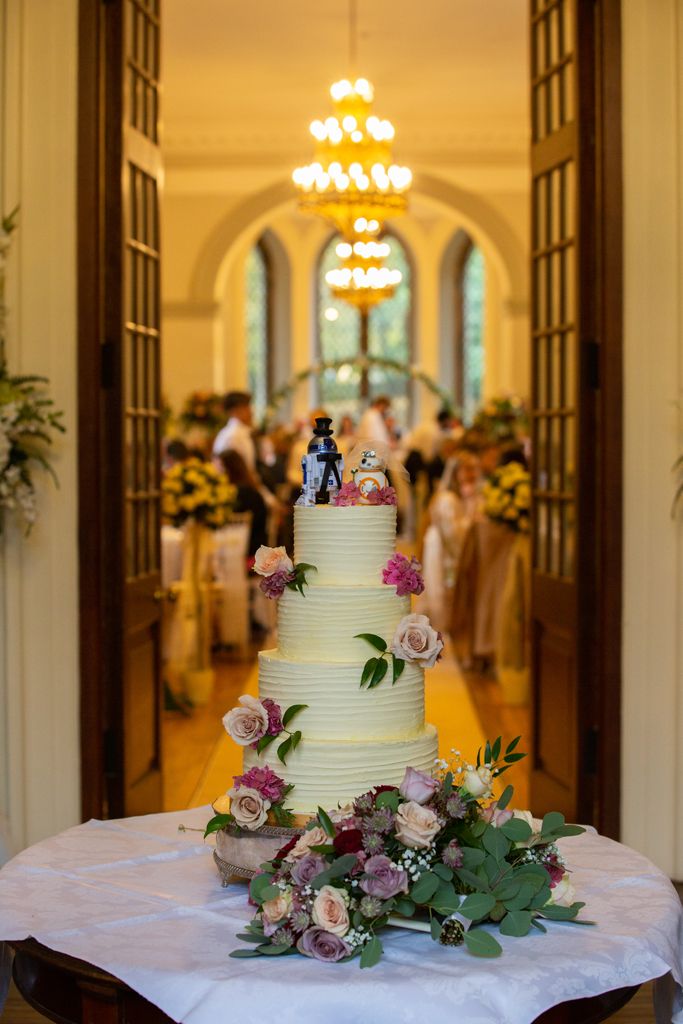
x: 196, y: 490
x: 507, y: 497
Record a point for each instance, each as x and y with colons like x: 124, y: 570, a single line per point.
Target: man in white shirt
x: 373, y: 425
x: 237, y: 434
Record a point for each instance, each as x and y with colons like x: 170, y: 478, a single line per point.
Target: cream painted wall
x: 652, y: 769
x: 39, y: 689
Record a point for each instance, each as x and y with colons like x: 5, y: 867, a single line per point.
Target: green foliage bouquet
x: 434, y: 853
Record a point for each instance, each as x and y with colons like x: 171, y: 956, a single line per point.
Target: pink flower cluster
x: 404, y: 574
x: 382, y: 496
x: 264, y: 781
x: 274, y: 716
x: 274, y: 586
x: 349, y: 494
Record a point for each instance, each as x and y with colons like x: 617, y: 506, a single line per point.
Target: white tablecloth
x: 143, y: 901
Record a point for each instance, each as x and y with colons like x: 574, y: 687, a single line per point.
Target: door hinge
x: 590, y: 750
x: 592, y: 358
x: 107, y: 364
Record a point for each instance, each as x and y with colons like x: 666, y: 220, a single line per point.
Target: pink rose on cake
x: 248, y: 723
x: 416, y: 640
x: 269, y: 561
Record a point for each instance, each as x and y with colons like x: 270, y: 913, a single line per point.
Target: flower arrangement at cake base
x: 437, y: 854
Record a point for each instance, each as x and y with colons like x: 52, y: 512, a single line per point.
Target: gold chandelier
x: 362, y: 279
x: 353, y: 181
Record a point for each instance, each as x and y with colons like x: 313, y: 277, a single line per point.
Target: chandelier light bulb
x: 344, y: 250
x: 349, y: 123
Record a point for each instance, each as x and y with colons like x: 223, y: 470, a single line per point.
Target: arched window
x: 469, y: 287
x: 258, y: 325
x: 347, y: 390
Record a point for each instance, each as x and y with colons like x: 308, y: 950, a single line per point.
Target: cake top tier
x: 348, y: 544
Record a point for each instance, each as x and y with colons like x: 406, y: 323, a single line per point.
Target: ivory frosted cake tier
x: 337, y: 707
x: 348, y: 545
x: 322, y: 625
x: 327, y: 773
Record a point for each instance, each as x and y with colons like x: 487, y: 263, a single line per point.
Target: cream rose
x: 277, y: 909
x: 271, y: 560
x: 314, y: 837
x: 416, y: 826
x: 416, y: 640
x: 478, y: 782
x: 330, y: 911
x: 563, y: 894
x: 248, y: 807
x: 248, y: 723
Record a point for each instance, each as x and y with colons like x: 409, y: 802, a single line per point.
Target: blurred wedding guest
x: 424, y: 444
x: 451, y: 512
x: 345, y: 435
x: 373, y: 423
x: 513, y: 452
x: 236, y: 435
x: 249, y: 498
x: 489, y: 457
x: 174, y: 451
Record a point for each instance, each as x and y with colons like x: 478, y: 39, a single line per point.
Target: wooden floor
x: 190, y: 741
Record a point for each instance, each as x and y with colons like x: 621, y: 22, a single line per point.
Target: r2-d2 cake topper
x: 322, y: 466
x: 369, y: 475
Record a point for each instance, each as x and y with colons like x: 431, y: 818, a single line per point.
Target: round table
x: 127, y: 921
x: 71, y: 991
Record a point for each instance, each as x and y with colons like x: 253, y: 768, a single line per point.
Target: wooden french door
x: 120, y: 521
x: 575, y: 408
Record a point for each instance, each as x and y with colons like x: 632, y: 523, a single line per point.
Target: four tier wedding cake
x: 353, y: 738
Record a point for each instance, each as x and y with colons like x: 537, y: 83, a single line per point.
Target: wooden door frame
x: 101, y: 630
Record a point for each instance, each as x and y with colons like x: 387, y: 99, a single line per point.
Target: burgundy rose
x: 323, y: 945
x: 284, y: 850
x: 306, y: 868
x: 383, y: 878
x: 348, y: 841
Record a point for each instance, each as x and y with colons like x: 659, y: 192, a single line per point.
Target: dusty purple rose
x: 349, y: 494
x: 323, y: 945
x: 383, y: 878
x: 404, y: 574
x: 274, y: 716
x: 307, y: 868
x: 265, y: 781
x: 274, y: 586
x: 418, y: 786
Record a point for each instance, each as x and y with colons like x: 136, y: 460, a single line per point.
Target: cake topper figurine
x: 369, y: 475
x: 322, y: 466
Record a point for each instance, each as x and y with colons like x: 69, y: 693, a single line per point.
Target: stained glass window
x: 472, y: 297
x: 257, y: 326
x: 339, y: 327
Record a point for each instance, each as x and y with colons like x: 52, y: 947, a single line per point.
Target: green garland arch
x: 360, y: 363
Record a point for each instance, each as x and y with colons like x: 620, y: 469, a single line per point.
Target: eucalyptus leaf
x: 472, y: 858
x: 389, y: 798
x: 243, y: 954
x: 425, y: 887
x: 555, y: 913
x: 551, y: 821
x: 443, y: 871
x: 481, y: 943
x: 522, y: 899
x: 435, y: 928
x: 404, y: 906
x: 516, y: 922
x: 472, y: 880
x: 271, y: 949
x: 372, y: 953
x: 477, y: 905
x: 495, y: 843
x: 516, y: 829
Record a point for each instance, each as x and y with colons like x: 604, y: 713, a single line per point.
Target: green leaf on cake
x: 218, y: 822
x: 291, y: 711
x: 264, y: 742
x: 397, y: 668
x: 284, y: 749
x: 326, y: 822
x: 296, y: 739
x: 368, y: 669
x: 378, y: 674
x: 375, y: 641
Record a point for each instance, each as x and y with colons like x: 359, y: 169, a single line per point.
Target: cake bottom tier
x: 326, y: 773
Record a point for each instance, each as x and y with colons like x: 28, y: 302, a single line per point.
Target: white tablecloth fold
x: 143, y: 901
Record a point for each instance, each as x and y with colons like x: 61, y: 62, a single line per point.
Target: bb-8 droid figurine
x: 369, y: 474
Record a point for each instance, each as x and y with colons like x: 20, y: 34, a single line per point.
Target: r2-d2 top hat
x: 322, y: 466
